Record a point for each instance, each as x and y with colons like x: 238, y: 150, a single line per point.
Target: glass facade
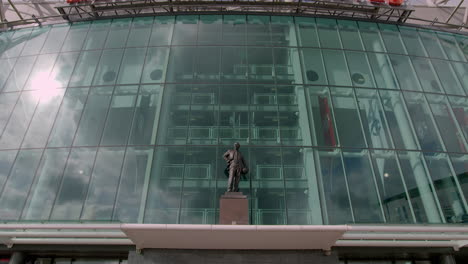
x: 340, y: 121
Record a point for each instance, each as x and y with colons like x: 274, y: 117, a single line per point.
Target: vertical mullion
x: 100, y: 139
x: 149, y: 166
x: 347, y: 185
x: 139, y: 91
x: 465, y: 205
x: 408, y: 197
x: 423, y: 160
x: 308, y: 110
x: 43, y: 151
x: 278, y: 126
x: 392, y: 142
x: 356, y: 101
x: 69, y: 154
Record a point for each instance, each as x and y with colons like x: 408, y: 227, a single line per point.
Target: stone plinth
x: 234, y: 209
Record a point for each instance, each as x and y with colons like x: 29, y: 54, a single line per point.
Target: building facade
x: 342, y: 122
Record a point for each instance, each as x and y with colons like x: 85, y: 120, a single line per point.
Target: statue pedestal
x: 234, y: 209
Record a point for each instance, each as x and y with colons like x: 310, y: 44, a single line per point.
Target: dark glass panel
x: 423, y: 123
x: 175, y: 115
x: 198, y: 201
x: 108, y: 68
x: 207, y: 65
x: 140, y: 32
x: 102, y: 190
x: 447, y: 123
x: 43, y: 120
x: 393, y: 193
x: 16, y: 188
x: 460, y: 167
x: 68, y: 118
x: 450, y: 46
x: 210, y: 29
x: 14, y: 132
x: 7, y: 65
x: 392, y: 39
x: 287, y: 66
x: 420, y: 188
x: 426, y: 75
x: 76, y: 36
x: 321, y: 112
x: 347, y: 116
x: 447, y: 77
x: 118, y: 33
x: 85, y: 68
x: 7, y: 158
x: 13, y: 42
x: 234, y: 29
x: 261, y: 65
x: 383, y: 71
x: 359, y: 69
x: 302, y: 187
x: 398, y: 120
x: 155, y: 65
x: 412, y: 41
x: 132, y: 65
x: 35, y: 41
x: 268, y: 190
x: 313, y: 69
x: 461, y: 69
x: 74, y: 185
x: 337, y: 207
x: 7, y: 104
x: 162, y: 31
x: 92, y: 122
x: 146, y: 115
x: 350, y: 37
x: 432, y: 44
x: 234, y: 65
x: 307, y: 32
x: 258, y: 30
x: 62, y: 71
x: 335, y: 65
x: 447, y: 187
x: 282, y: 31
x: 373, y: 119
x: 46, y: 185
x: 55, y: 38
x: 185, y: 30
x: 120, y: 116
x: 405, y: 72
x: 371, y: 36
x: 165, y: 186
x: 19, y: 74
x: 328, y: 33
x: 97, y: 34
x: 136, y: 168
x: 181, y: 63
x: 361, y: 181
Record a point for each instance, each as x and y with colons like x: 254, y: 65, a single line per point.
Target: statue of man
x: 236, y: 167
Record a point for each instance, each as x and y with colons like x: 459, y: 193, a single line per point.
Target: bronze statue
x: 236, y: 167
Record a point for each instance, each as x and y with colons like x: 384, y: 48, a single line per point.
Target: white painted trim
x: 69, y: 241
x: 236, y: 236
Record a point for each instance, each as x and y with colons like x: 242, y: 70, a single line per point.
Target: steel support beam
x: 16, y: 10
x: 2, y: 12
x: 454, y: 11
x: 92, y: 10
